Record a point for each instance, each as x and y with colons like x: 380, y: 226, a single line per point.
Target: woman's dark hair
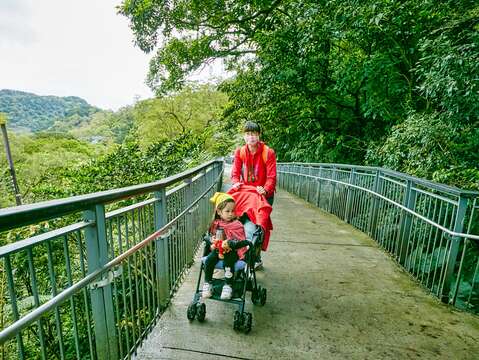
x: 251, y: 126
x: 221, y: 206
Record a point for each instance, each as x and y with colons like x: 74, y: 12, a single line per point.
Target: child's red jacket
x: 234, y: 230
x: 254, y: 171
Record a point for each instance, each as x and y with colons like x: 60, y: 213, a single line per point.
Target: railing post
x: 333, y: 189
x: 189, y: 220
x: 455, y: 242
x: 293, y: 179
x: 350, y: 195
x: 101, y: 297
x: 278, y: 176
x: 318, y: 189
x: 302, y: 181
x: 373, y: 212
x: 306, y: 183
x: 161, y: 249
x: 220, y: 182
x: 404, y: 232
x: 288, y: 179
x: 309, y: 183
x: 297, y: 181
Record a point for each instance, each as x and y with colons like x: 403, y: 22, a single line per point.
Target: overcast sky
x: 73, y: 47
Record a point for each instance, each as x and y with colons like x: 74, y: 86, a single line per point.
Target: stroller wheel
x: 191, y: 312
x: 263, y: 296
x: 247, y: 322
x: 201, y: 312
x: 237, y: 320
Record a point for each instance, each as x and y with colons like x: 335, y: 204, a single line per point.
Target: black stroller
x: 244, y: 280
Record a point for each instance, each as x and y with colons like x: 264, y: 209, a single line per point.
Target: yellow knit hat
x: 219, y: 197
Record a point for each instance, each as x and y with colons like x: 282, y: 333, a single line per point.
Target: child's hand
x: 213, y: 242
x: 226, y: 247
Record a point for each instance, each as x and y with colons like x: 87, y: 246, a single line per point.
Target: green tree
x: 195, y: 109
x: 36, y: 158
x: 195, y: 32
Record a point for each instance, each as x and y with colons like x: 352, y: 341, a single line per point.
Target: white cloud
x: 69, y: 47
x: 15, y: 28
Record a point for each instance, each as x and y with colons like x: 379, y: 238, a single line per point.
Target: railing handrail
x: 432, y: 184
x: 430, y: 229
x: 402, y: 207
x: 17, y: 216
x: 64, y: 295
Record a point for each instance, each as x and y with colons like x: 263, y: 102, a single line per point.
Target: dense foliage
x: 37, y: 159
x: 30, y: 112
x: 126, y: 165
x: 334, y: 81
x: 195, y: 108
x: 106, y: 127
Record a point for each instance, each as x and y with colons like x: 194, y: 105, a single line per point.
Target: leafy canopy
x: 332, y: 81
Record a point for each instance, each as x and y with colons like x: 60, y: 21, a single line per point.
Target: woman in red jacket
x: 254, y: 164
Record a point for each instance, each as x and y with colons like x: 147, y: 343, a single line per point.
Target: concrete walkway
x: 332, y: 294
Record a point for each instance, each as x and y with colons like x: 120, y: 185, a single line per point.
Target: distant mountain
x: 26, y: 111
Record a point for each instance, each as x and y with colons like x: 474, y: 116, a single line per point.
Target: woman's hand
x: 261, y: 190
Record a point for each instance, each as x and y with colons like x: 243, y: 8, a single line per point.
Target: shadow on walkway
x: 332, y: 294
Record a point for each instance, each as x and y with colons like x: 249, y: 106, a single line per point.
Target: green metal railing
x: 95, y: 286
x: 427, y: 227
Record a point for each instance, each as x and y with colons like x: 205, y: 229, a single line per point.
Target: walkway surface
x: 332, y: 294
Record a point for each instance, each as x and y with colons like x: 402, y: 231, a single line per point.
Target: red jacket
x: 234, y: 230
x: 254, y: 171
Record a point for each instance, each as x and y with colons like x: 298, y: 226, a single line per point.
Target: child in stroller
x: 236, y: 256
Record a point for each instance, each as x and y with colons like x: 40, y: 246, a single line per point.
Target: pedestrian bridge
x: 363, y: 263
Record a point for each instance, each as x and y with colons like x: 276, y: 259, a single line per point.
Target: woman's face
x: 228, y: 212
x: 251, y: 137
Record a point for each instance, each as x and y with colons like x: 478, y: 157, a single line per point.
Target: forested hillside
x: 30, y: 112
x: 153, y: 139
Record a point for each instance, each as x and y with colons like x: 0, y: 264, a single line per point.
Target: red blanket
x: 256, y: 207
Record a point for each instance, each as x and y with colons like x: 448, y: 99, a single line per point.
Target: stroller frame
x: 242, y: 320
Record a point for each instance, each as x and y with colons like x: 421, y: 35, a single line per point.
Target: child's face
x: 227, y: 214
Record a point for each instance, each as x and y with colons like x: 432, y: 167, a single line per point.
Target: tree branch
x: 183, y: 129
